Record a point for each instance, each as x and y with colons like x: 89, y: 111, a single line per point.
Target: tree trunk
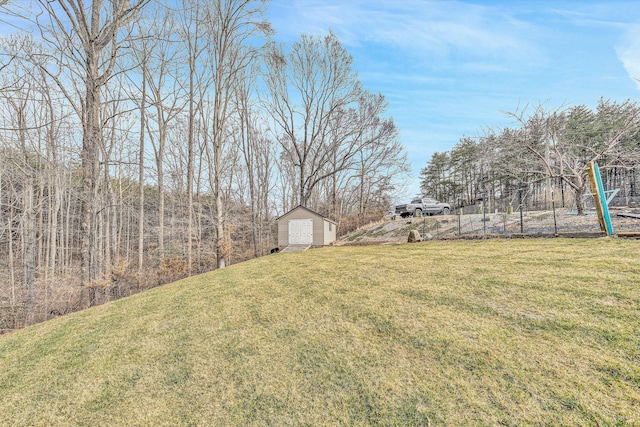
x: 190, y: 163
x: 68, y: 241
x: 141, y: 180
x: 579, y: 192
x: 160, y: 211
x: 29, y: 236
x: 12, y: 269
x: 220, y: 237
x: 90, y: 174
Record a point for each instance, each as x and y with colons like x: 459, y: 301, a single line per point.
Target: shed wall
x: 324, y: 230
x: 300, y: 213
x: 329, y: 232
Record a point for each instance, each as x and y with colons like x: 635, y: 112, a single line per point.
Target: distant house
x: 302, y: 226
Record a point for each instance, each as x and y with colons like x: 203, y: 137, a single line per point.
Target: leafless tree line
x: 143, y: 141
x: 545, y: 154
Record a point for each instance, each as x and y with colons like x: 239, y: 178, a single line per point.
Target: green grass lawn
x: 497, y: 332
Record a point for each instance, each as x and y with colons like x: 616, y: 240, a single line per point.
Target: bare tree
x: 27, y: 134
x: 193, y: 37
x: 18, y: 98
x: 158, y: 56
x: 117, y: 123
x: 545, y: 149
x: 379, y: 168
x: 141, y: 174
x: 311, y: 89
x: 232, y: 25
x: 370, y: 148
x: 559, y: 144
x: 87, y: 38
x: 327, y: 125
x: 28, y: 221
x: 257, y: 154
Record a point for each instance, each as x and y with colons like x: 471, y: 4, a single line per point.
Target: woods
x: 144, y: 141
x: 545, y: 152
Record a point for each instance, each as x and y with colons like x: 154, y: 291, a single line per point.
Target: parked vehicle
x: 425, y: 206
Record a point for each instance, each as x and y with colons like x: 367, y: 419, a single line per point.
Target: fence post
x: 520, y: 190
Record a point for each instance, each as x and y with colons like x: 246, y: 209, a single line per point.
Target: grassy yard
x: 498, y: 332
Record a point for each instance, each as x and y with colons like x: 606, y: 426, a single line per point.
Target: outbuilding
x: 302, y: 226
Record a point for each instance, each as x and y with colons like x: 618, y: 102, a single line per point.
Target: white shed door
x: 300, y: 231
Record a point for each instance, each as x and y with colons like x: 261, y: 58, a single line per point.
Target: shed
x: 302, y: 226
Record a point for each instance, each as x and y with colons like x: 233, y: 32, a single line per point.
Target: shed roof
x: 307, y: 209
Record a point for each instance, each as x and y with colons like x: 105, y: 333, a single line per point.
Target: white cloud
x: 628, y: 52
x: 431, y: 29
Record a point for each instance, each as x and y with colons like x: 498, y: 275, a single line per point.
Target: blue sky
x: 452, y: 68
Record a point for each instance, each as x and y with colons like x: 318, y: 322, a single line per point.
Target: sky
x: 450, y: 69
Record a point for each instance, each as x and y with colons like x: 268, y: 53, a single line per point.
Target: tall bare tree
x: 158, y: 56
x: 257, y: 154
x: 232, y: 26
x: 86, y: 38
x: 311, y: 90
x: 192, y: 29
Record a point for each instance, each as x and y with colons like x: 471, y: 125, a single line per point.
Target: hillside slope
x: 494, y: 332
x: 534, y: 223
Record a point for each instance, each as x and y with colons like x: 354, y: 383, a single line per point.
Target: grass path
x: 499, y: 332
